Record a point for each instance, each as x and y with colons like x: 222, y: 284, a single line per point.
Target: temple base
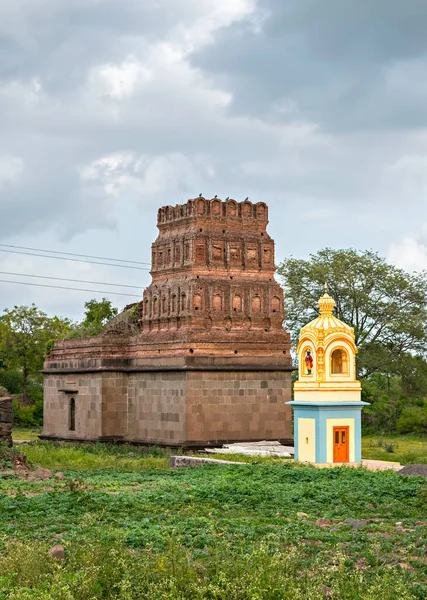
x: 174, y: 407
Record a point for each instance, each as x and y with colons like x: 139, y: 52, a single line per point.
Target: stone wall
x: 6, y: 419
x: 188, y: 408
x: 238, y: 406
x: 86, y: 390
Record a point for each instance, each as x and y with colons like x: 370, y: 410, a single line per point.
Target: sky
x: 110, y: 109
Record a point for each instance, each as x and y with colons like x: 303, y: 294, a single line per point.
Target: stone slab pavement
x: 254, y: 449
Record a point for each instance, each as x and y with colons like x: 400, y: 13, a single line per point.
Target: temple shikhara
x: 202, y: 359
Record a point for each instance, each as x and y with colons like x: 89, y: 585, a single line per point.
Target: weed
x: 390, y: 447
x: 75, y: 486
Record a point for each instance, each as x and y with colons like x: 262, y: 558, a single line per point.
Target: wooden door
x: 341, y: 444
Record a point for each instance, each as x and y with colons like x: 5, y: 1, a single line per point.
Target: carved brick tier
x: 213, y: 286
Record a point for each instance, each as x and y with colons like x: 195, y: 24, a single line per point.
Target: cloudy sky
x: 112, y: 108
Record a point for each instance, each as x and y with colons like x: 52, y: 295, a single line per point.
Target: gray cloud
x: 344, y: 65
x: 110, y: 108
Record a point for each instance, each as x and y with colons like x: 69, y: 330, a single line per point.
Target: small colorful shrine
x: 327, y: 396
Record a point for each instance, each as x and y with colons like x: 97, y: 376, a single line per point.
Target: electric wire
x: 58, y: 287
x: 121, y: 285
x: 75, y: 260
x: 135, y: 262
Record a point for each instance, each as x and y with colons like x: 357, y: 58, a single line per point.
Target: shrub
x: 413, y: 419
x: 381, y: 416
x: 28, y: 416
x: 12, y: 381
x: 389, y: 447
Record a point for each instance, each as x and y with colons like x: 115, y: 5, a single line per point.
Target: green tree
x: 97, y: 314
x: 24, y: 334
x: 386, y: 306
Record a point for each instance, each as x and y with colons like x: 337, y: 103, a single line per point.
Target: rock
x: 57, y: 552
x: 131, y: 453
x: 323, y: 522
x: 177, y: 462
x: 59, y: 475
x: 42, y: 474
x: 327, y: 591
x: 357, y: 523
x: 302, y: 514
x: 420, y: 470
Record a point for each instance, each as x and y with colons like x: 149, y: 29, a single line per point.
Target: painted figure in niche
x: 309, y: 362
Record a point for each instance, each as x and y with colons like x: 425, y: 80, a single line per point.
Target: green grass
x: 406, y: 449
x: 134, y: 529
x: 94, y: 456
x: 26, y: 433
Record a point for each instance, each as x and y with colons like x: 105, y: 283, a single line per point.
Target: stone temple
x: 202, y: 360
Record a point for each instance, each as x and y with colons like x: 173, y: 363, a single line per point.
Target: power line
x: 135, y: 262
x: 75, y: 260
x: 58, y: 287
x: 137, y: 287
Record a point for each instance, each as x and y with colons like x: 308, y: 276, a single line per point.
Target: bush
x: 381, y: 416
x: 28, y: 416
x: 413, y: 419
x: 12, y: 381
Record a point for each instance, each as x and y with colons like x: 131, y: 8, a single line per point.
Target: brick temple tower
x: 203, y: 359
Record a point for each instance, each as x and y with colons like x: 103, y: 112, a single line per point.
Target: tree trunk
x: 25, y: 399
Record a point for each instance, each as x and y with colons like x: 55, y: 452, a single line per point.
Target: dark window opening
x: 72, y: 415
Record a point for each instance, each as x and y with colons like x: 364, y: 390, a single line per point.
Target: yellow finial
x: 326, y: 303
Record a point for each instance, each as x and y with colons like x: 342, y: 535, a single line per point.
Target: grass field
x: 26, y: 433
x: 406, y: 449
x: 132, y: 528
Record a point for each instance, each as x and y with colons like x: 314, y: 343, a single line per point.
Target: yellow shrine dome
x: 327, y: 353
x: 326, y: 324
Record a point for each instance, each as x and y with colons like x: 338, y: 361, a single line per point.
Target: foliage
x: 97, y: 314
x: 413, y: 419
x: 386, y: 306
x: 12, y: 380
x: 267, y: 572
x: 390, y: 410
x: 24, y: 333
x: 218, y: 532
x: 28, y: 416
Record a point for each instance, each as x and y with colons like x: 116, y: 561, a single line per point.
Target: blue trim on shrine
x: 322, y: 411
